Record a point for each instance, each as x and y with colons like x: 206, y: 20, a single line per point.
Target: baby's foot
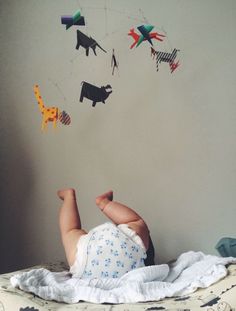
x: 103, y: 199
x: 63, y: 193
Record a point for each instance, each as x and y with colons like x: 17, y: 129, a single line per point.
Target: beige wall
x: 165, y: 143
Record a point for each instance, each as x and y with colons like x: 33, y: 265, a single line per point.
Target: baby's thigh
x: 141, y: 229
x: 70, y: 241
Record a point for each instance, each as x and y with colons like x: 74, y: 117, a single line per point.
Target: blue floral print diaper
x: 108, y: 251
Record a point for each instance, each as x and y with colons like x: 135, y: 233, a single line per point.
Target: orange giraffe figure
x: 49, y: 113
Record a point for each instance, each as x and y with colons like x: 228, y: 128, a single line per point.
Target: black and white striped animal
x: 165, y: 57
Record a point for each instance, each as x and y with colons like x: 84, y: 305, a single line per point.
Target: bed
x: 220, y: 296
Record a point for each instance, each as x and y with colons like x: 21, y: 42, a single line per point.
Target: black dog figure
x: 94, y: 93
x: 87, y: 42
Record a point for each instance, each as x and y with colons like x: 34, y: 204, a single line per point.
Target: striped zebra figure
x: 167, y: 57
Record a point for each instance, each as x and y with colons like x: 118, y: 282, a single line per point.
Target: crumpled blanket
x: 192, y: 270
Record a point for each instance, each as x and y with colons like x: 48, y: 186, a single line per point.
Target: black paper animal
x: 114, y: 63
x: 94, y: 93
x: 87, y: 42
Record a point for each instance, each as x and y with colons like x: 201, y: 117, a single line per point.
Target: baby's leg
x: 69, y: 222
x: 122, y: 214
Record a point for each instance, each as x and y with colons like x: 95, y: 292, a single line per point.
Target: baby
x: 109, y: 250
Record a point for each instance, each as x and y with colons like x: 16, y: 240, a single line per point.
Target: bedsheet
x: 221, y: 296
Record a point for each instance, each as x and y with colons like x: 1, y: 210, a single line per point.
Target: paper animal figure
x: 51, y: 114
x: 148, y: 35
x: 94, y: 93
x: 87, y: 42
x: 114, y: 63
x: 144, y: 30
x: 168, y: 58
x: 64, y: 118
x: 70, y: 20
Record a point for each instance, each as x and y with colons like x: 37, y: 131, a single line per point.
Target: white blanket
x: 192, y: 270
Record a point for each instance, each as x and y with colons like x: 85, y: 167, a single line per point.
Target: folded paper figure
x: 70, y: 20
x: 166, y: 57
x: 146, y: 34
x: 94, y: 93
x: 64, y: 118
x: 50, y: 114
x: 87, y: 42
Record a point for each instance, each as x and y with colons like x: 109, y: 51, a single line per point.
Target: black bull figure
x: 94, y: 93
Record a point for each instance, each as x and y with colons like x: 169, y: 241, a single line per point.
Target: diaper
x: 108, y: 251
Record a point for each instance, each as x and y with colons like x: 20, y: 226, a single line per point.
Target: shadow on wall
x: 16, y: 183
